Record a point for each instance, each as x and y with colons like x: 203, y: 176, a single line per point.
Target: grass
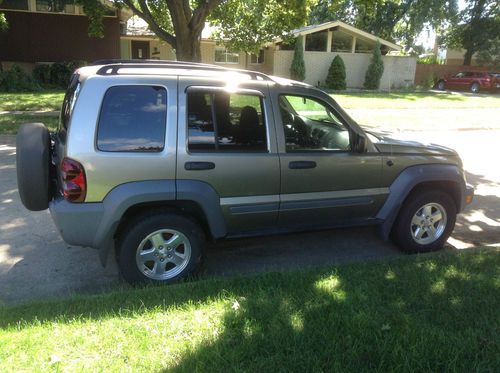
x: 44, y: 101
x: 415, y: 100
x: 435, y: 312
x: 9, y: 124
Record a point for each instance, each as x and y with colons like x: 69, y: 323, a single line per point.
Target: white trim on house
x: 328, y: 25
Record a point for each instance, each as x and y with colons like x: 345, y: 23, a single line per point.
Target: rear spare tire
x: 32, y: 163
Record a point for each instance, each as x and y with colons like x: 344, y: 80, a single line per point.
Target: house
x: 54, y: 31
x: 57, y: 30
x: 322, y: 43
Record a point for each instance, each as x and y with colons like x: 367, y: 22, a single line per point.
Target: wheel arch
x: 447, y: 178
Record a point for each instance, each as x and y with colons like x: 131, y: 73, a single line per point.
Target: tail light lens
x: 74, y: 183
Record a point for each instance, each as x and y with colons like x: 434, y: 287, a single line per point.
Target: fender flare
x: 409, y: 179
x: 124, y: 196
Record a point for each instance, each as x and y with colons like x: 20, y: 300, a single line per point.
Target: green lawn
x: 415, y: 100
x: 10, y: 123
x: 46, y: 101
x: 434, y: 313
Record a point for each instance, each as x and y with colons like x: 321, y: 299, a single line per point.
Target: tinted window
x: 70, y: 99
x: 316, y: 41
x: 225, y: 122
x: 310, y: 125
x: 133, y: 119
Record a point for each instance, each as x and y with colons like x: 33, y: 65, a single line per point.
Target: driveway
x: 36, y: 263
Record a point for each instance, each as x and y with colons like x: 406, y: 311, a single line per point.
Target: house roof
x: 345, y: 27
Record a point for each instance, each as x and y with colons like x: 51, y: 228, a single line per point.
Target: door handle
x: 296, y: 165
x: 196, y: 166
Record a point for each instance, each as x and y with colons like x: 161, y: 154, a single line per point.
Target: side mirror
x: 360, y: 144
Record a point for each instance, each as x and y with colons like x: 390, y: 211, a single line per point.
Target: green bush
x: 429, y: 81
x: 336, y: 74
x: 41, y: 73
x: 16, y: 80
x: 56, y: 75
x: 375, y: 70
x: 298, y: 68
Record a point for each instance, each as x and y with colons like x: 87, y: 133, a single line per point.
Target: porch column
x: 329, y: 41
x: 353, y: 46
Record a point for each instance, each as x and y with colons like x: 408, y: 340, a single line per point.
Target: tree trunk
x: 468, y: 57
x: 188, y: 48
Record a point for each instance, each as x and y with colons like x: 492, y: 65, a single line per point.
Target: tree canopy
x: 241, y: 25
x: 394, y: 20
x: 477, y: 31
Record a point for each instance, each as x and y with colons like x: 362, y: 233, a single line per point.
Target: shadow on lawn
x: 409, y: 315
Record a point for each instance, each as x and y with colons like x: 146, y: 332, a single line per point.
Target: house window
x: 363, y: 46
x: 14, y: 4
x: 257, y: 59
x: 56, y: 6
x: 222, y: 55
x: 341, y: 41
x: 316, y: 42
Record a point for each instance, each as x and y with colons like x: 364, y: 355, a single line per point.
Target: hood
x: 387, y: 142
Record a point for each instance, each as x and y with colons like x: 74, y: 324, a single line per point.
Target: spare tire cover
x: 32, y: 163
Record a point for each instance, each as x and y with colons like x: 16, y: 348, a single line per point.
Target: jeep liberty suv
x: 153, y: 158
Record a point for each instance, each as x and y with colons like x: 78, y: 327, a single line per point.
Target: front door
x: 323, y: 182
x: 140, y: 50
x: 227, y: 140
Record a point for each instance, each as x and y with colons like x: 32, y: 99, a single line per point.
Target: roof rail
x: 111, y: 67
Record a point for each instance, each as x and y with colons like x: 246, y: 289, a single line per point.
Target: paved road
x: 36, y: 263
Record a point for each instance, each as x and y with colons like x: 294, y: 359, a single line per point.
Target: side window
x: 69, y: 100
x: 225, y: 122
x: 310, y: 125
x: 133, y: 119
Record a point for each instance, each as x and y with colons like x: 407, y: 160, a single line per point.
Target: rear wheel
x: 425, y: 222
x: 441, y: 85
x: 160, y: 248
x: 33, y: 166
x: 475, y: 87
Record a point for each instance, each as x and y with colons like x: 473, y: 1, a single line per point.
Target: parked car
x: 473, y: 81
x: 152, y: 159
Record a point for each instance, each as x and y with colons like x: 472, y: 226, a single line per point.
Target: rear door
x: 323, y: 182
x: 226, y: 139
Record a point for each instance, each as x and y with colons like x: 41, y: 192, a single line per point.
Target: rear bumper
x: 77, y: 222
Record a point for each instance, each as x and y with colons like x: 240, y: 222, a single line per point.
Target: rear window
x: 70, y: 99
x: 133, y: 119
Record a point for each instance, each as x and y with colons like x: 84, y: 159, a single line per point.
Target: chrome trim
x: 333, y: 194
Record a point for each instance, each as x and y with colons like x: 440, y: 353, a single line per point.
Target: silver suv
x: 154, y: 158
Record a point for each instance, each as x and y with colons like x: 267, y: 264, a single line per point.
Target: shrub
x: 298, y: 68
x: 375, y: 70
x: 41, y: 74
x: 429, y: 81
x: 336, y: 74
x: 16, y: 80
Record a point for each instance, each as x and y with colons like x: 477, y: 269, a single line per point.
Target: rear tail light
x: 74, y: 184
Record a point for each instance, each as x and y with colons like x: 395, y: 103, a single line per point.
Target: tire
x: 412, y: 222
x: 32, y: 164
x: 441, y: 85
x: 475, y: 87
x: 145, y: 255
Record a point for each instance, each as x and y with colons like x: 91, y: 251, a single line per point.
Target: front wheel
x: 160, y: 248
x: 475, y: 87
x: 425, y: 222
x: 441, y: 85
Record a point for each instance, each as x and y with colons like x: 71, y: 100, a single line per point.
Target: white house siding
x: 398, y: 71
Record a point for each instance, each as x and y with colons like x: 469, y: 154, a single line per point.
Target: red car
x: 473, y: 81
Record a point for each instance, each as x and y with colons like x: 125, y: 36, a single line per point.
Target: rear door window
x: 133, y: 119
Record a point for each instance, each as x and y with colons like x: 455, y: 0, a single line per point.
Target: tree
x: 247, y: 25
x: 336, y: 74
x: 477, y: 30
x: 375, y: 70
x: 298, y: 68
x: 395, y: 20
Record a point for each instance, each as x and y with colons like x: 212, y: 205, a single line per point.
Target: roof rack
x: 111, y: 67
